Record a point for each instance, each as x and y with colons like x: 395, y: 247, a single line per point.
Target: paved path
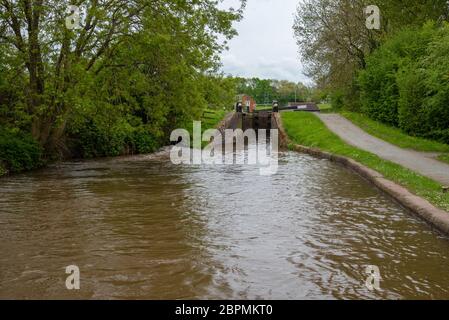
x: 417, y: 161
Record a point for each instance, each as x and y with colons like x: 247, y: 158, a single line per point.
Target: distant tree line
x: 397, y: 75
x: 265, y: 91
x: 117, y: 83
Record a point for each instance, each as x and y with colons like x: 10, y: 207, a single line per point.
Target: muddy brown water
x: 140, y: 227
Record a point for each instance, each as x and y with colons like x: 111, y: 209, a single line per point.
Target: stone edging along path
x: 437, y: 218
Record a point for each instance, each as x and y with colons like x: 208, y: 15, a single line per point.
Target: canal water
x: 140, y: 227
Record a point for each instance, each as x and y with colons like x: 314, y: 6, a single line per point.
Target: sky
x: 265, y: 47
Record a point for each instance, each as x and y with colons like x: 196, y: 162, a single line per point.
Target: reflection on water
x: 140, y: 227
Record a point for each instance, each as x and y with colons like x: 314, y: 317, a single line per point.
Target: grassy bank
x: 308, y: 130
x: 444, y: 158
x: 264, y: 107
x: 394, y: 135
x: 211, y: 118
x: 325, y: 107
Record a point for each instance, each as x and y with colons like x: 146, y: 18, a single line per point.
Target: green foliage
x: 106, y: 130
x: 261, y: 90
x: 18, y: 151
x: 319, y: 96
x: 142, y: 142
x: 95, y: 139
x: 444, y: 158
x: 120, y: 83
x: 334, y: 42
x: 405, y: 83
x: 400, y: 70
x: 265, y: 91
x: 308, y: 130
x: 394, y: 135
x: 220, y: 92
x: 211, y: 118
x: 410, y: 100
x: 435, y: 66
x: 325, y: 106
x: 399, y: 13
x: 379, y: 92
x: 337, y: 99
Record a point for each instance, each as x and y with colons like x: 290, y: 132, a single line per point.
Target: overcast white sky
x: 265, y: 46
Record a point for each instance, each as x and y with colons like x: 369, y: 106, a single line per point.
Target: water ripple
x: 140, y: 227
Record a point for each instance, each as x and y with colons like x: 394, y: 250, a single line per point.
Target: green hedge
x: 379, y: 90
x: 406, y: 82
x: 18, y: 152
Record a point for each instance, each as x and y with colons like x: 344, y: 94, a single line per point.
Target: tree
x: 397, y: 14
x: 164, y: 46
x: 264, y: 91
x: 333, y: 39
x: 50, y: 52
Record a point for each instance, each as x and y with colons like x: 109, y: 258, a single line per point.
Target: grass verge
x: 264, y: 107
x: 394, y: 135
x: 325, y: 107
x: 444, y: 158
x: 211, y: 118
x: 308, y: 130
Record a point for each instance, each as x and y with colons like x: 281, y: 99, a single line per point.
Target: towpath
x: 422, y: 163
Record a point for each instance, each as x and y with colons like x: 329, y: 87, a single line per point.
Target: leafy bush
x: 379, y: 91
x: 411, y: 97
x: 18, y: 151
x: 424, y: 91
x: 406, y: 82
x: 95, y: 137
x: 142, y: 141
x: 435, y: 70
x: 337, y: 99
x: 93, y: 140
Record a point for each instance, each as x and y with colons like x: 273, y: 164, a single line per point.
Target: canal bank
x: 422, y: 196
